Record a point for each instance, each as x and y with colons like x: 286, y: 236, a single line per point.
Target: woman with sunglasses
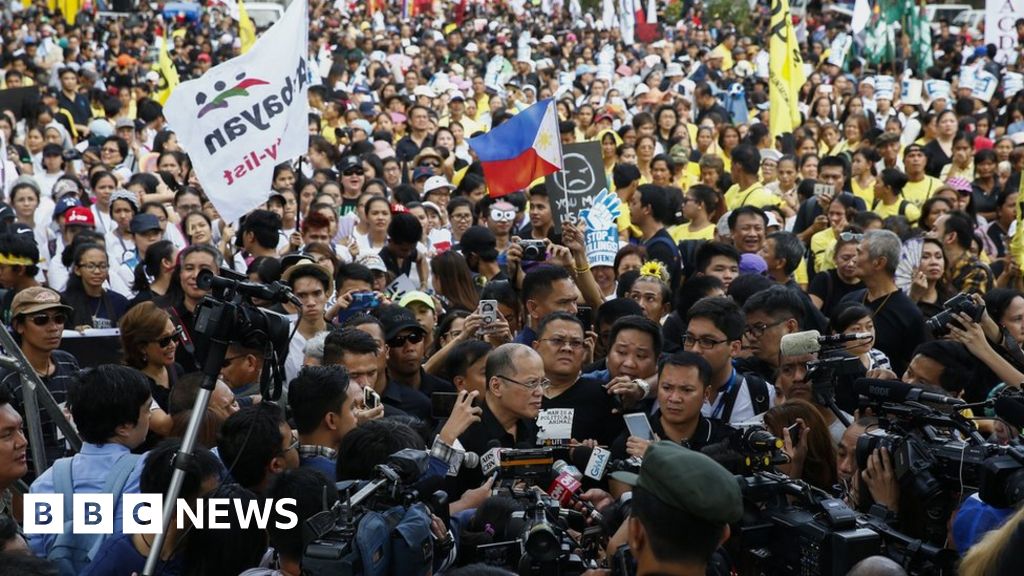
x: 149, y: 340
x: 93, y: 305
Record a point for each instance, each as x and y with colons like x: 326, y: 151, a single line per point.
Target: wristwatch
x: 644, y: 387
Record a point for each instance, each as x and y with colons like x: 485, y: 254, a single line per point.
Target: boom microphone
x: 811, y: 341
x: 1011, y: 409
x: 894, y: 391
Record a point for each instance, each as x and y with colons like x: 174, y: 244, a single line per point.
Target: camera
x: 533, y: 250
x: 939, y: 324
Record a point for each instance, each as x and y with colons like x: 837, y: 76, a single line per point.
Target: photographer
x: 793, y: 383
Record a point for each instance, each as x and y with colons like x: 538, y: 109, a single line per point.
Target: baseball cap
x: 753, y: 264
x: 36, y: 299
x: 417, y: 296
x: 80, y: 216
x: 349, y: 162
x: 688, y: 480
x: 124, y: 123
x: 144, y: 223
x: 481, y: 241
x: 436, y: 183
x: 422, y: 172
x: 64, y: 204
x: 373, y: 262
x: 913, y: 148
x: 394, y: 319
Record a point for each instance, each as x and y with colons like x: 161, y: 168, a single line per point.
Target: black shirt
x: 412, y: 401
x: 65, y: 368
x: 662, y: 247
x: 937, y: 158
x: 592, y: 411
x: 477, y: 438
x: 708, y: 432
x: 672, y: 332
x: 899, y: 325
x: 828, y: 287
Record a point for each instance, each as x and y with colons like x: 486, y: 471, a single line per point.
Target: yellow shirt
x: 912, y: 212
x: 865, y: 192
x: 682, y: 232
x: 688, y: 178
x: 800, y: 274
x: 469, y: 126
x: 823, y: 247
x: 625, y: 223
x: 918, y: 192
x: 755, y: 195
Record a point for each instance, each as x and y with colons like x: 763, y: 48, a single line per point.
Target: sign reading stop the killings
x: 1000, y: 16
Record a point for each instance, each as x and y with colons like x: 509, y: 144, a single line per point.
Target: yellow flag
x: 168, y: 73
x: 179, y: 33
x: 785, y: 71
x: 246, y: 29
x: 1017, y: 242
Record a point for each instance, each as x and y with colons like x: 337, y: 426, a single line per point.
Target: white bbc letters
x: 142, y: 514
x: 44, y: 513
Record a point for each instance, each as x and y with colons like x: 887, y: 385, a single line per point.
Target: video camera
x: 228, y: 312
x: 336, y: 541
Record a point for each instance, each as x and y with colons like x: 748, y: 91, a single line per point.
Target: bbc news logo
x: 144, y: 514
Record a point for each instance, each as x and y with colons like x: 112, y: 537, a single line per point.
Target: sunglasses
x: 851, y: 236
x: 399, y: 341
x: 44, y: 319
x: 503, y: 215
x: 166, y: 340
x: 353, y: 172
x: 431, y: 164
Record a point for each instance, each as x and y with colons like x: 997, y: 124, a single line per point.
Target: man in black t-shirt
x: 561, y: 345
x: 648, y: 209
x: 899, y: 324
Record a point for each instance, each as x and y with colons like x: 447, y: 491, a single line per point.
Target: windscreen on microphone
x: 886, y: 390
x: 470, y: 460
x: 1010, y: 409
x: 800, y: 343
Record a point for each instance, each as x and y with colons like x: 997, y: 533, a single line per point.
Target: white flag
x: 247, y: 115
x: 861, y: 15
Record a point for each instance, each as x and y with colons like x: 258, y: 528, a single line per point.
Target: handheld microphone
x: 470, y: 460
x: 565, y: 488
x: 490, y: 462
x: 1011, y: 409
x: 563, y: 467
x: 894, y: 391
x: 811, y: 341
x: 592, y: 461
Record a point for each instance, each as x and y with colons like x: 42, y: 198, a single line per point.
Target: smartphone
x: 488, y: 311
x: 638, y: 425
x: 442, y: 404
x: 364, y: 301
x: 794, y: 433
x: 823, y: 189
x: 586, y: 317
x: 370, y: 398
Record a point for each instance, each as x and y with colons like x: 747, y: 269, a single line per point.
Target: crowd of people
x: 897, y: 191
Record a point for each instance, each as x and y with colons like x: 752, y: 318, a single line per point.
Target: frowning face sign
x: 576, y: 176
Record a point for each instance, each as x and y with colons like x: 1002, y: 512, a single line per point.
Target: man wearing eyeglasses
x: 409, y: 385
x: 562, y: 346
x: 715, y: 332
x: 770, y: 315
x: 512, y: 401
x: 38, y: 318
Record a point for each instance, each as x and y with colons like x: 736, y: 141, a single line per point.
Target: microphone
x: 592, y: 461
x: 894, y: 391
x: 470, y: 460
x: 490, y: 462
x: 811, y: 341
x: 566, y: 486
x: 563, y: 467
x: 1011, y: 409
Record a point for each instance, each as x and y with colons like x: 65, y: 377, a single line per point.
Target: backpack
x: 902, y: 211
x: 758, y: 396
x: 395, y: 542
x: 72, y: 552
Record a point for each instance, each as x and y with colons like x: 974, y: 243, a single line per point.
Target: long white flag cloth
x: 247, y: 115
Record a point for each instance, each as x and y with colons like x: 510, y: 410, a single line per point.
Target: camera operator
x: 682, y: 505
x: 684, y: 382
x: 792, y: 382
x: 243, y: 367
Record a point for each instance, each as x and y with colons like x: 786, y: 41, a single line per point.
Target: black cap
x: 143, y: 223
x: 6, y: 212
x: 395, y: 319
x: 481, y: 241
x: 349, y: 162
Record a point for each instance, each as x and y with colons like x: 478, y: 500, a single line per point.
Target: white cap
x: 674, y: 70
x: 412, y: 50
x: 471, y: 47
x: 152, y: 76
x: 436, y: 183
x: 424, y: 91
x: 548, y: 39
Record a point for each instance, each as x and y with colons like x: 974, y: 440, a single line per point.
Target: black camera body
x: 534, y: 250
x: 939, y: 324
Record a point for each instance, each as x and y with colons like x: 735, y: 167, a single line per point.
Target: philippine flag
x: 520, y: 150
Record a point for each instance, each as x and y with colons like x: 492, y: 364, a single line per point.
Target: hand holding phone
x: 639, y: 426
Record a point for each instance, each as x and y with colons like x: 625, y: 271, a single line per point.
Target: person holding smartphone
x: 684, y: 381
